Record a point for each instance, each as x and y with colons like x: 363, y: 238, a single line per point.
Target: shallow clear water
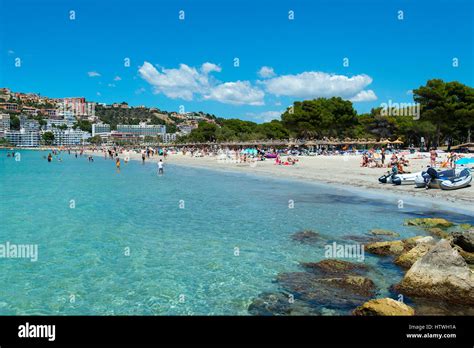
x: 173, y: 251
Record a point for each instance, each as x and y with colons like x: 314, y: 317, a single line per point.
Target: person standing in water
x: 160, y: 167
x: 50, y: 158
x: 117, y: 164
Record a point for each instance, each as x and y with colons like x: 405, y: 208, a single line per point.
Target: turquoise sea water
x: 182, y: 260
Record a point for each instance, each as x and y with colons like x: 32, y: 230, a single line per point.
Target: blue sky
x: 191, y: 62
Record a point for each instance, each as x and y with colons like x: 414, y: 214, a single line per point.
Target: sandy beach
x: 336, y: 170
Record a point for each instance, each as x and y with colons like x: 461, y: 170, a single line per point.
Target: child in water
x: 117, y: 163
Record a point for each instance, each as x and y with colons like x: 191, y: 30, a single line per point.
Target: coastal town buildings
x: 100, y: 128
x: 142, y: 129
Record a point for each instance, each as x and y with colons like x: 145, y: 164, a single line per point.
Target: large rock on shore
x: 429, y: 222
x: 395, y: 247
x: 441, y: 274
x: 407, y: 259
x: 465, y: 240
x: 416, y: 248
x: 467, y: 256
x: 384, y: 307
x: 332, y: 267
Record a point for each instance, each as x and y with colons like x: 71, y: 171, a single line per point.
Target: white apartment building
x: 100, y: 128
x: 69, y: 136
x: 23, y: 138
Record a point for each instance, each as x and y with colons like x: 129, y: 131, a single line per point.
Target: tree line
x: 444, y: 115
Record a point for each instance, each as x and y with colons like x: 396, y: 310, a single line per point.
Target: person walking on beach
x: 160, y: 167
x: 433, y: 156
x: 383, y: 156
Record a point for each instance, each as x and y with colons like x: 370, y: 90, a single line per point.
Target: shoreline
x: 341, y: 172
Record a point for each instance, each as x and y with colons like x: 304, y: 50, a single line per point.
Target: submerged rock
x: 395, y: 247
x: 306, y: 237
x: 361, y: 238
x: 382, y: 232
x: 465, y: 240
x: 440, y: 274
x: 341, y: 292
x: 384, y: 307
x: 466, y: 226
x: 332, y: 267
x: 437, y: 307
x: 269, y: 304
x: 429, y: 222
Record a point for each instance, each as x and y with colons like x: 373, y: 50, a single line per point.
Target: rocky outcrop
x: 384, y: 307
x: 412, y: 242
x: 395, y: 247
x: 306, y: 237
x: 464, y: 240
x: 467, y: 256
x: 438, y: 232
x: 407, y: 259
x: 332, y: 267
x: 382, y: 232
x: 440, y: 274
x: 429, y: 222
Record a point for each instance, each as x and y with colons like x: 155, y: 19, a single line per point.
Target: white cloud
x: 11, y: 52
x: 99, y: 94
x: 237, y: 93
x: 266, y: 72
x: 410, y: 92
x: 186, y: 82
x: 111, y: 85
x: 314, y: 84
x: 181, y: 83
x: 207, y: 67
x: 93, y: 74
x: 117, y: 78
x: 140, y: 90
x: 364, y: 96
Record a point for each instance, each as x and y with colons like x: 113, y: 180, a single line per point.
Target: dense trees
x: 445, y: 116
x: 48, y: 138
x: 333, y: 117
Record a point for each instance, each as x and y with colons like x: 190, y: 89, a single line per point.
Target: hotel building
x: 142, y: 130
x: 100, y: 128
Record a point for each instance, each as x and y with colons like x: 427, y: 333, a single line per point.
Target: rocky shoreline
x: 438, y: 279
